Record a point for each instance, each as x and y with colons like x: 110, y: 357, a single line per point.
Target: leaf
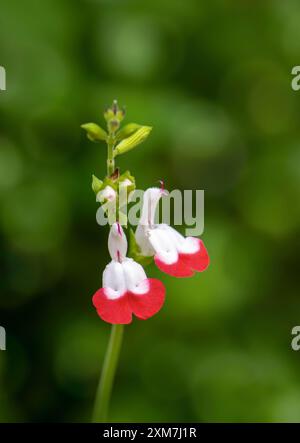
x: 94, y: 132
x: 96, y: 184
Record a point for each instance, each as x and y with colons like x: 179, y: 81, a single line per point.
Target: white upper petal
x: 118, y: 278
x: 184, y: 245
x: 146, y: 223
x: 113, y: 280
x: 163, y: 244
x: 135, y: 277
x: 117, y: 242
x: 150, y: 201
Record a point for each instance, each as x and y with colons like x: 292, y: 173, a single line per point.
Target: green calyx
x: 116, y: 182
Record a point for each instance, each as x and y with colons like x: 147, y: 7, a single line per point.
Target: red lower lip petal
x: 198, y: 261
x: 116, y: 311
x: 178, y: 269
x: 146, y: 305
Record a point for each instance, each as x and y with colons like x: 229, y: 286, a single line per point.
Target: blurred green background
x: 213, y: 78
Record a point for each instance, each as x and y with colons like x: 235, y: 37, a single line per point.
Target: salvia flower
x: 126, y: 290
x: 173, y: 254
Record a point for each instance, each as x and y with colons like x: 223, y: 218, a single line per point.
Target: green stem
x: 104, y: 389
x: 110, y: 156
x: 108, y: 373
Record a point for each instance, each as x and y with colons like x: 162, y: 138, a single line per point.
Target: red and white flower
x: 173, y: 254
x: 126, y: 289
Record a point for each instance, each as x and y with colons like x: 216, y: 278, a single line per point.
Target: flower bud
x: 127, y: 130
x: 127, y: 182
x: 114, y: 115
x: 120, y: 114
x: 132, y: 141
x: 108, y: 114
x: 113, y: 124
x: 117, y: 242
x: 108, y: 194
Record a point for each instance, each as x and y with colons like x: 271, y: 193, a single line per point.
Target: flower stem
x: 104, y: 389
x: 110, y: 155
x: 108, y: 373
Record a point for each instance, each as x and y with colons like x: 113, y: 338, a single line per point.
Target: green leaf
x: 127, y: 130
x: 134, y: 140
x: 96, y: 184
x: 135, y: 251
x: 94, y: 132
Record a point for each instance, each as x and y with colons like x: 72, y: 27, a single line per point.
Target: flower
x: 173, y: 254
x: 126, y: 289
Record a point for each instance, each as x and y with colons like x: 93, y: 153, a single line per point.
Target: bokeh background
x: 213, y: 78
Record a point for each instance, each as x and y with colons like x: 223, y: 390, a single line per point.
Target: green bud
x: 127, y: 130
x: 96, y: 184
x: 113, y: 124
x: 114, y: 112
x: 132, y: 141
x: 108, y: 114
x: 135, y: 251
x: 94, y: 132
x: 120, y: 114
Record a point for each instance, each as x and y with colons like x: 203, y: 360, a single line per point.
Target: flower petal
x: 135, y: 277
x: 113, y: 280
x: 199, y: 260
x: 117, y: 242
x: 147, y: 304
x: 192, y: 254
x: 115, y: 311
x: 163, y: 245
x: 150, y: 202
x: 183, y: 245
x: 178, y: 269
